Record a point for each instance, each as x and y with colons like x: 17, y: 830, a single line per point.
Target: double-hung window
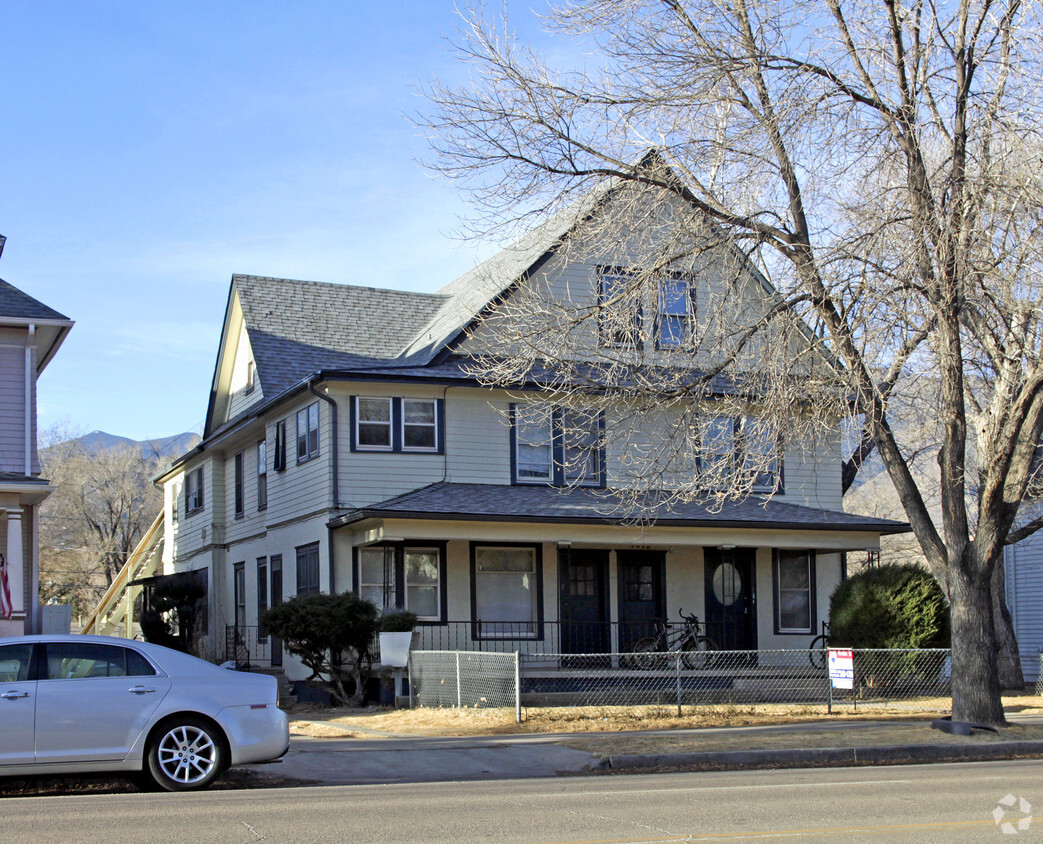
x: 262, y: 475
x: 308, y: 569
x: 794, y: 581
x: 238, y: 486
x: 505, y: 591
x: 561, y: 447
x: 675, y: 313
x: 373, y: 429
x: 619, y: 309
x: 308, y: 432
x: 717, y: 449
x: 194, y: 491
x: 377, y: 581
x: 419, y: 425
x: 397, y: 424
x: 759, y: 443
x: 404, y: 574
x: 533, y: 447
x: 581, y: 447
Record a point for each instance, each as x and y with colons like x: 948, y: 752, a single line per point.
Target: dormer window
x: 250, y: 376
x: 619, y: 310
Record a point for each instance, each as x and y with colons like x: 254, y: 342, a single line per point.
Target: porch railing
x: 248, y: 646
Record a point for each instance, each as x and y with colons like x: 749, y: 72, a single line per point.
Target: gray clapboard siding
x: 1024, y: 574
x: 12, y: 408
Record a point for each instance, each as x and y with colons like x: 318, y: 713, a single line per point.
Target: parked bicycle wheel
x: 818, y: 652
x: 698, y: 652
x: 645, y: 654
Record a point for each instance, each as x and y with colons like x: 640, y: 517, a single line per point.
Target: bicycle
x: 650, y: 652
x: 818, y: 650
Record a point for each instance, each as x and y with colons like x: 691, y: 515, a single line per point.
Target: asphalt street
x: 967, y: 802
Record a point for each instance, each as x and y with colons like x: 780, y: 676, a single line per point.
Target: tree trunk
x: 1008, y: 660
x: 975, y: 680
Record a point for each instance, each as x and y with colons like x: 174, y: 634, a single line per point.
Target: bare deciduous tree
x: 103, y: 502
x: 877, y: 159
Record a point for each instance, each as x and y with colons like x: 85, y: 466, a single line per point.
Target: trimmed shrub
x: 893, y: 606
x: 331, y: 635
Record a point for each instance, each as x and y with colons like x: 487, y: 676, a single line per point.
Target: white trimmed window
x: 419, y: 425
x: 794, y: 591
x: 373, y: 429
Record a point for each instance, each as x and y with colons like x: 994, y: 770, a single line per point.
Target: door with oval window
x: 731, y: 601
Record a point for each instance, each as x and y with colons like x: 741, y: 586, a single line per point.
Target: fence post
x: 412, y: 685
x: 677, y: 681
x: 459, y: 704
x: 829, y: 692
x: 517, y: 687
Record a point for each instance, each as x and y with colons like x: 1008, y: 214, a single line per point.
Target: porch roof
x: 491, y: 502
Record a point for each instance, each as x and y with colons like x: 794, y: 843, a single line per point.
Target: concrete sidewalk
x: 395, y: 758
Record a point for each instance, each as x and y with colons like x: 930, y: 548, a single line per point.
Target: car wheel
x: 186, y: 754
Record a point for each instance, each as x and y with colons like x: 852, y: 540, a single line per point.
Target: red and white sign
x: 842, y: 668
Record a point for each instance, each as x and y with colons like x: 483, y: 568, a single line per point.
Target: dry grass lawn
x: 371, y: 723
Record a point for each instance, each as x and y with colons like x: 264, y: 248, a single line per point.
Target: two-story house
x: 349, y: 446
x: 30, y: 334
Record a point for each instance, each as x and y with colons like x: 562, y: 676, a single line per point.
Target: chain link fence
x: 881, y: 678
x: 465, y: 679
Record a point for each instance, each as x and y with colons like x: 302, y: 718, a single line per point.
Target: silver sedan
x: 73, y: 704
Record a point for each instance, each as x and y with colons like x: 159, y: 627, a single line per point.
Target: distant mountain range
x: 168, y: 447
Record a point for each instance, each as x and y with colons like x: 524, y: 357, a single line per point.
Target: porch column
x: 15, y: 562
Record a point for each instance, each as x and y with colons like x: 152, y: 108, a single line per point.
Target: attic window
x: 250, y: 377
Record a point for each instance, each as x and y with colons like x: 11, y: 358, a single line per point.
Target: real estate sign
x: 842, y: 668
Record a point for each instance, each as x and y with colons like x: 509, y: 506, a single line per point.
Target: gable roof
x: 299, y: 327
x: 19, y: 308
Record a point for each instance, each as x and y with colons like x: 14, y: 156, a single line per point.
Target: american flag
x: 6, y: 607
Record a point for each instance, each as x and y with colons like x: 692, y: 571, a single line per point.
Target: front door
x: 731, y: 601
x: 583, y: 589
x: 641, y: 599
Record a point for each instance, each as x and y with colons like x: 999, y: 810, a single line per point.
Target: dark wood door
x: 583, y: 589
x: 731, y: 600
x: 276, y: 569
x: 641, y: 597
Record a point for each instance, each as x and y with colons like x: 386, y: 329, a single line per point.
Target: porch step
x: 285, y: 687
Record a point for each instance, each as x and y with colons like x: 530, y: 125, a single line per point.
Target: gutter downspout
x: 335, y: 466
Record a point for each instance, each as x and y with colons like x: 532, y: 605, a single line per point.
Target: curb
x: 909, y: 754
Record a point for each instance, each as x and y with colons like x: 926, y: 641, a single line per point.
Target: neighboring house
x: 1023, y: 564
x: 347, y: 447
x: 30, y: 334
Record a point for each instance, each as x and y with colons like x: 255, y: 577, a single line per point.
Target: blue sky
x: 151, y: 150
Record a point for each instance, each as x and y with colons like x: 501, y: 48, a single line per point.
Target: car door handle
x: 14, y: 695
x: 140, y: 690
